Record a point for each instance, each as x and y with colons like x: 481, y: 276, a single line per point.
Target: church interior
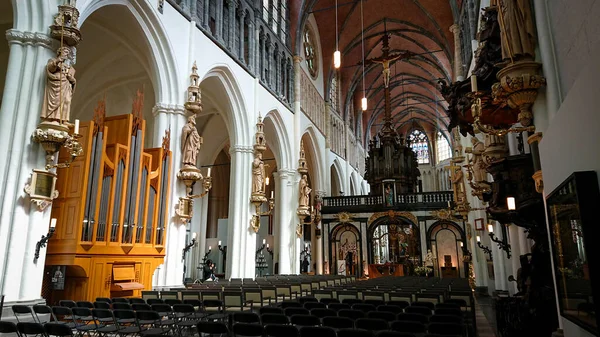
x: 299, y: 167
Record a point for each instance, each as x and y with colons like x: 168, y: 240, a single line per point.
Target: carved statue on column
x: 517, y: 29
x: 304, y: 192
x: 258, y: 174
x: 190, y: 142
x: 479, y: 167
x: 60, y: 85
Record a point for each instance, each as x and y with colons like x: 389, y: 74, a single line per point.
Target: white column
x: 286, y: 220
x: 199, y: 225
x: 318, y: 242
x: 166, y: 116
x: 513, y: 234
x: 458, y: 62
x: 241, y: 241
x: 21, y: 223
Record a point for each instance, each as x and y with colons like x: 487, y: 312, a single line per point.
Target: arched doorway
x: 345, y: 250
x: 444, y: 241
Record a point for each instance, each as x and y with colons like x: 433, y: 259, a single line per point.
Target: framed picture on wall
x: 573, y: 216
x: 479, y: 224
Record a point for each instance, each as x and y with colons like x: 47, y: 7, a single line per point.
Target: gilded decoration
x: 343, y: 217
x: 392, y: 214
x: 443, y: 214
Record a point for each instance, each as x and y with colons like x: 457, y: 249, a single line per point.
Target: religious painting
x: 572, y: 215
x: 479, y: 224
x: 345, y: 249
x: 389, y: 192
x: 58, y: 277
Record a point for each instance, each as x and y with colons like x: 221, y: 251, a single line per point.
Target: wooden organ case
x: 112, y: 210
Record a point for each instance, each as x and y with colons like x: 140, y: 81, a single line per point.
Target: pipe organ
x: 112, y: 210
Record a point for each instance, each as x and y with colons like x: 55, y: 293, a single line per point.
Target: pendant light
x: 337, y: 56
x: 363, y: 101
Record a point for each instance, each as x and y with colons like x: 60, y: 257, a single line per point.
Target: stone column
x: 206, y: 14
x: 241, y: 241
x: 319, y: 241
x: 171, y: 116
x: 458, y: 61
x: 231, y: 24
x: 242, y: 15
x: 513, y: 234
x: 285, y: 219
x: 219, y: 20
x: 21, y: 222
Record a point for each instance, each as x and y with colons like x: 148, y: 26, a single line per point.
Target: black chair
x: 364, y: 307
x: 274, y: 319
x: 101, y: 305
x: 106, y: 319
x: 390, y: 308
x: 394, y: 334
x: 85, y: 304
x: 447, y: 306
x: 270, y: 310
x: 328, y: 301
x: 384, y: 315
x: 212, y: 328
x: 354, y: 333
x: 121, y: 306
x: 173, y: 301
x: 428, y: 305
x: 372, y: 324
x: 43, y: 313
x: 186, y: 315
x: 307, y: 299
x: 295, y: 311
x: 401, y: 304
x: 445, y: 329
x: 445, y: 319
x: 290, y: 304
x: 317, y: 331
x: 320, y: 312
x: 23, y: 312
x: 141, y: 306
x: 9, y: 327
x: 64, y: 315
x: 448, y: 311
x: 339, y: 306
x: 124, y: 319
x: 119, y: 300
x: 413, y: 317
x: 375, y: 302
x: 352, y: 314
x: 314, y: 305
x: 305, y: 320
x: 67, y: 303
x: 104, y: 299
x: 136, y: 300
x: 245, y: 317
x: 31, y: 328
x: 152, y: 301
x: 57, y: 329
x: 247, y: 330
x: 408, y: 326
x: 352, y: 301
x: 151, y: 323
x: 418, y: 310
x: 338, y: 322
x: 279, y: 330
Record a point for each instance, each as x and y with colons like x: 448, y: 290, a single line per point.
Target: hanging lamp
x: 337, y: 56
x: 363, y: 101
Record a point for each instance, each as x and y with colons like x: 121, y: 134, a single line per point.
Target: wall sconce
x: 466, y: 253
x: 224, y: 252
x: 188, y: 246
x: 269, y: 250
x: 486, y: 249
x: 502, y: 244
x: 259, y: 250
x: 510, y: 203
x: 206, y: 255
x: 42, y: 243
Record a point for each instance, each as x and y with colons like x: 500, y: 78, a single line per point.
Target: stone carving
x: 60, y: 85
x: 479, y: 167
x: 258, y: 174
x: 517, y: 29
x: 304, y: 192
x: 190, y: 142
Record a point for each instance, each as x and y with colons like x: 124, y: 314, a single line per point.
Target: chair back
x: 57, y: 329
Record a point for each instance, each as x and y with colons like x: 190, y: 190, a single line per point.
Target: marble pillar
x: 21, y: 223
x: 286, y: 220
x: 458, y: 62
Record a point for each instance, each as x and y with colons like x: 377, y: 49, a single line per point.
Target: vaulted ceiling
x: 417, y: 26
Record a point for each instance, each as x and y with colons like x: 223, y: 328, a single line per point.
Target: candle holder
x: 270, y: 250
x: 502, y: 244
x: 42, y: 243
x: 259, y: 250
x: 486, y: 249
x: 205, y: 257
x: 223, y: 250
x: 188, y: 247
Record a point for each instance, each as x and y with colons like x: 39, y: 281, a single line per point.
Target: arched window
x: 310, y: 52
x: 418, y: 143
x: 442, y: 147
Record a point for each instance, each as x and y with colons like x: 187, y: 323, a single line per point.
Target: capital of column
x: 15, y: 36
x: 321, y: 194
x: 297, y: 58
x: 285, y: 173
x: 455, y: 29
x: 166, y: 108
x: 241, y: 149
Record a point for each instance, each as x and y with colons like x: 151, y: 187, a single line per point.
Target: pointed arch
x: 313, y: 147
x: 281, y: 145
x: 336, y: 172
x: 165, y: 75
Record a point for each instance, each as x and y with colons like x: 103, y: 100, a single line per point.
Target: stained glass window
x: 443, y: 148
x: 418, y: 143
x: 310, y: 51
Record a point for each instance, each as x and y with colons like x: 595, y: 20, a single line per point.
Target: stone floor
x: 485, y: 316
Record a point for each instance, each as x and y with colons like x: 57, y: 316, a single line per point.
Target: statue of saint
x: 479, y: 170
x: 60, y: 85
x: 516, y: 28
x: 428, y: 261
x: 389, y: 195
x: 258, y: 173
x: 190, y: 142
x: 304, y: 192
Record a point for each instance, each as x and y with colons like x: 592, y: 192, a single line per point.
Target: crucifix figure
x: 386, y: 58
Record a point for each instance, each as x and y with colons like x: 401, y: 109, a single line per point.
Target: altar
x: 387, y: 269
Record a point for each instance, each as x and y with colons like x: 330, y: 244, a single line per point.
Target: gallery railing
x: 413, y: 201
